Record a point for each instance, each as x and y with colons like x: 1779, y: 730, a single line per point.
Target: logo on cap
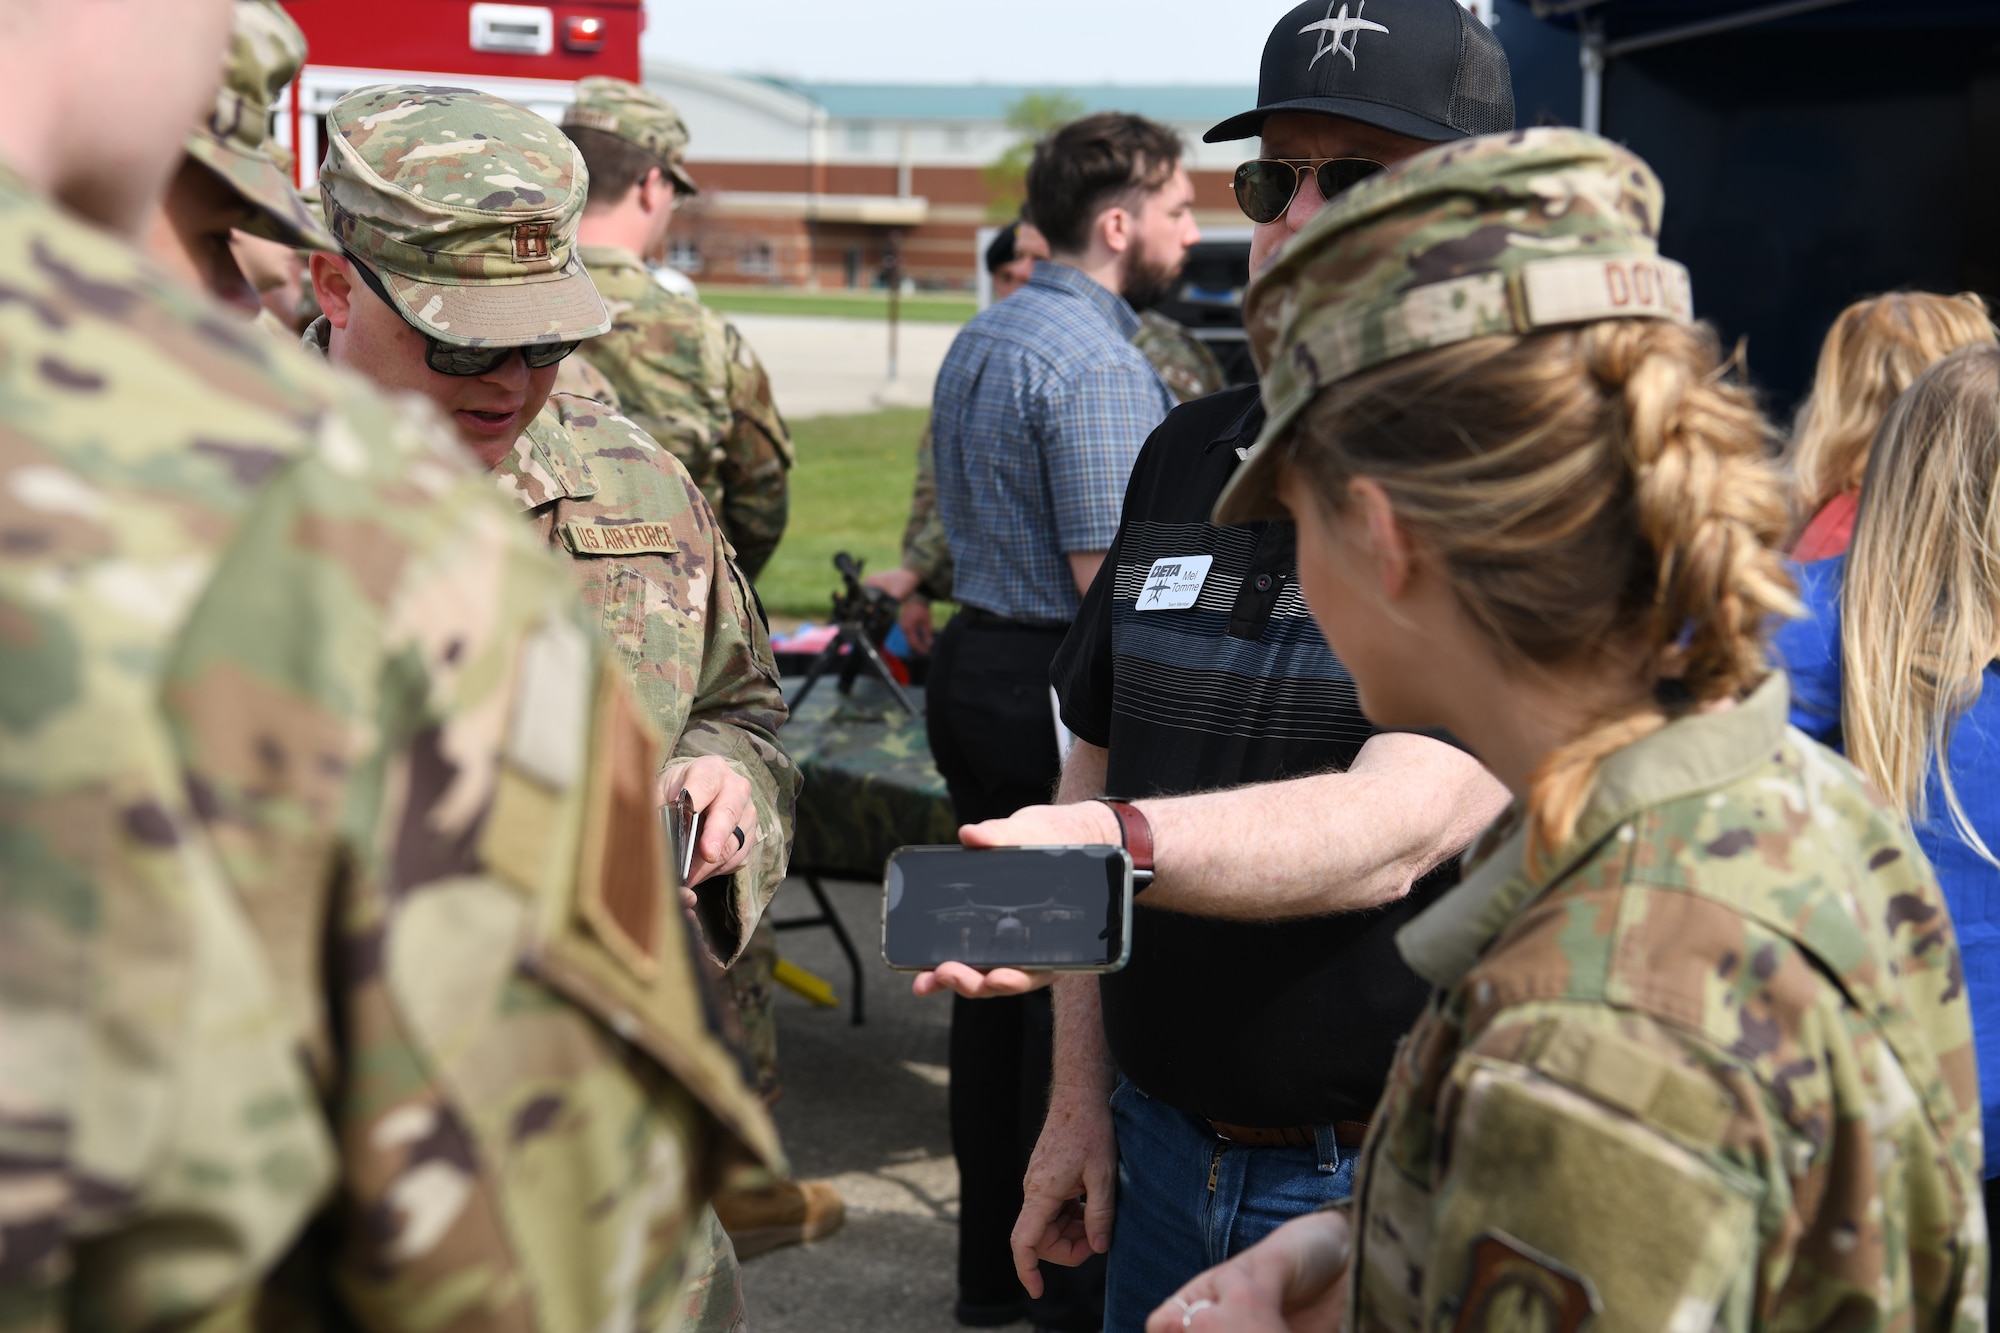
x: 1338, y: 32
x: 531, y: 240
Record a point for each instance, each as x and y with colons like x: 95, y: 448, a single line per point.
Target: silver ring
x: 1188, y: 1312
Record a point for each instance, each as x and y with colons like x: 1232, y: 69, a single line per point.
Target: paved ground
x: 841, y: 366
x: 866, y: 1107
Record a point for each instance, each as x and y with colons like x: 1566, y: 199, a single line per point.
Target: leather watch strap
x: 1135, y: 835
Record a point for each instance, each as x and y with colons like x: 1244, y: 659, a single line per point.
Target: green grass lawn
x: 923, y: 307
x: 850, y: 492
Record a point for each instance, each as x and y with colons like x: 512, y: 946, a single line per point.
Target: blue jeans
x: 1172, y: 1225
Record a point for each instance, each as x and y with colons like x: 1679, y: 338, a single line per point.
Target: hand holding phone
x: 1045, y: 909
x: 683, y: 823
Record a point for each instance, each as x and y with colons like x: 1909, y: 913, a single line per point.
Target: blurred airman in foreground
x: 340, y: 978
x: 458, y: 280
x: 232, y: 180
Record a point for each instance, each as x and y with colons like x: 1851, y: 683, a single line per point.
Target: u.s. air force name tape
x: 584, y: 537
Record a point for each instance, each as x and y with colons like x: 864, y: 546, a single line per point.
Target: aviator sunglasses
x: 449, y: 359
x: 1265, y: 186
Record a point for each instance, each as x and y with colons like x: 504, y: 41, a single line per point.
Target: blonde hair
x: 1920, y: 619
x: 1588, y: 489
x: 1874, y: 351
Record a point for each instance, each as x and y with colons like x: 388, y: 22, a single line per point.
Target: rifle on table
x: 864, y: 616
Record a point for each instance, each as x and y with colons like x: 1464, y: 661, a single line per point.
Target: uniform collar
x: 609, y: 256
x: 546, y: 464
x: 1684, y: 758
x: 1063, y: 278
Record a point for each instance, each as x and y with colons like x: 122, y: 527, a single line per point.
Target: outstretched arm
x: 1334, y: 842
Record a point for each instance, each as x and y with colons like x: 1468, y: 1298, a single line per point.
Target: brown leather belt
x: 1346, y: 1133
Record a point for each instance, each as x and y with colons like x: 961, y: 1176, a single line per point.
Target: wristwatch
x: 1135, y: 835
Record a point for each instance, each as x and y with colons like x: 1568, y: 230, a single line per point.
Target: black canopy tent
x: 1813, y: 151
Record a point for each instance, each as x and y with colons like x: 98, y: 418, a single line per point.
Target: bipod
x: 863, y: 653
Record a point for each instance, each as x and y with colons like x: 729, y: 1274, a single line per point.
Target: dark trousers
x: 993, y: 736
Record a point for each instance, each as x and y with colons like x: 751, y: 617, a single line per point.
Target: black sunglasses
x: 1265, y: 186
x: 450, y: 359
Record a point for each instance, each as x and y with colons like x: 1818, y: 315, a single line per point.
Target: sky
x: 956, y: 41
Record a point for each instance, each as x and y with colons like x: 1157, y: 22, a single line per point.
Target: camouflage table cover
x: 870, y: 786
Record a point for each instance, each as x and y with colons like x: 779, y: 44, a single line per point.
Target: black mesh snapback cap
x: 1425, y: 68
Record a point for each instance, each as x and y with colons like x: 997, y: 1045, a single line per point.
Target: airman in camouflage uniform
x: 680, y: 370
x: 1706, y: 1062
x: 325, y: 1002
x: 1709, y: 1067
x: 686, y: 375
x: 643, y: 543
x: 233, y: 178
x: 266, y: 52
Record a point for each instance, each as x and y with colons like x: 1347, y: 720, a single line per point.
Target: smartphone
x: 1060, y: 909
x: 683, y: 823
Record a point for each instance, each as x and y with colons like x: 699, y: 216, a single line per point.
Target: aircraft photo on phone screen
x: 1065, y: 908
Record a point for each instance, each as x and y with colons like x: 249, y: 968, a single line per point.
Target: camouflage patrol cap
x: 637, y: 115
x: 1509, y: 233
x: 466, y: 207
x: 265, y: 53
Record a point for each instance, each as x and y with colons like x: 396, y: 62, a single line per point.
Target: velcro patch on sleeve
x: 1643, y: 1083
x: 551, y: 707
x: 625, y: 880
x: 597, y: 537
x: 613, y: 937
x: 1584, y: 1195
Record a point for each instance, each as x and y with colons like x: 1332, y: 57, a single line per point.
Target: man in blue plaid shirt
x: 1040, y: 409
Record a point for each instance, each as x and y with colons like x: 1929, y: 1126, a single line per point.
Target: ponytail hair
x: 1588, y: 489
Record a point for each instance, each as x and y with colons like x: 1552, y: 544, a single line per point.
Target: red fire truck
x: 529, y: 54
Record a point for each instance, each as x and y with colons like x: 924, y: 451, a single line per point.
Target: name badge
x: 587, y: 538
x: 1174, y: 582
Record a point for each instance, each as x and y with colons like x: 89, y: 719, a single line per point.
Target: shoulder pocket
x: 609, y: 931
x: 1651, y: 1228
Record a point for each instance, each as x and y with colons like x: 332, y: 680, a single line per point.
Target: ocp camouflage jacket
x: 686, y: 375
x: 324, y: 1001
x: 1708, y: 1067
x: 653, y: 565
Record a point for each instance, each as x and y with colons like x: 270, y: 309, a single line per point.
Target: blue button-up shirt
x: 1039, y: 412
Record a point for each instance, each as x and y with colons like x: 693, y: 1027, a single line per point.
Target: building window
x: 956, y: 138
x: 685, y: 256
x: 757, y: 260
x: 860, y: 136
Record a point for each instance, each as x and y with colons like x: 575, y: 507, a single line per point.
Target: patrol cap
x: 1425, y: 68
x: 1504, y: 234
x: 266, y: 51
x: 466, y: 207
x: 637, y: 115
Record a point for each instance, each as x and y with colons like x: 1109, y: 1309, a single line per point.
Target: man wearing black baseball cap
x: 1220, y: 1084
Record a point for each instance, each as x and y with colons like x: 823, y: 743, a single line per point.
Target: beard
x: 1149, y: 281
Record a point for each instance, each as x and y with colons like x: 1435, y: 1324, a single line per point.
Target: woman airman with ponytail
x: 1698, y: 1054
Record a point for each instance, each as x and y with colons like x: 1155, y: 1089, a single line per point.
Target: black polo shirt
x: 1229, y: 682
